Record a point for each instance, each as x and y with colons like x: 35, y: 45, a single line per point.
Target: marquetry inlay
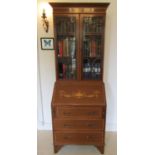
x: 79, y: 94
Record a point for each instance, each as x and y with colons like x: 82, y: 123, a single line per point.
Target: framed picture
x: 47, y: 43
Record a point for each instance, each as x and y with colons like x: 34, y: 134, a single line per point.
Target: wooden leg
x: 57, y: 148
x: 100, y: 148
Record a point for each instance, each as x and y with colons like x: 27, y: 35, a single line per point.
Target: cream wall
x: 46, y: 69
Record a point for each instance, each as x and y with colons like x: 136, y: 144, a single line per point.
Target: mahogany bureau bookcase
x: 78, y: 103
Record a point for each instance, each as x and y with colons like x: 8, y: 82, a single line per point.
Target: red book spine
x: 60, y: 46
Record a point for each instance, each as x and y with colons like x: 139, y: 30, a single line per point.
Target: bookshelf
x: 78, y: 105
x: 65, y: 34
x: 79, y: 45
x: 92, y: 46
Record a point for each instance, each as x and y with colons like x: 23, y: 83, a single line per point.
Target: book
x: 72, y: 47
x: 73, y: 68
x: 60, y: 48
x: 66, y: 47
x: 90, y: 48
x: 98, y: 48
x: 93, y: 48
x: 86, y: 48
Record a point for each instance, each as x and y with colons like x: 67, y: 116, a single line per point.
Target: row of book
x: 67, y: 71
x: 93, y: 24
x: 92, y: 71
x: 66, y: 47
x: 65, y: 24
x: 92, y: 47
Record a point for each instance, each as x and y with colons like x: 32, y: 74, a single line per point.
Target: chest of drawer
x: 79, y: 112
x: 78, y: 124
x: 78, y: 138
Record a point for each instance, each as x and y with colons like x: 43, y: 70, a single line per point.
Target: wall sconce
x: 45, y: 21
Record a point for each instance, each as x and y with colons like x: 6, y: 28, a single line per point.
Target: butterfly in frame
x: 46, y: 43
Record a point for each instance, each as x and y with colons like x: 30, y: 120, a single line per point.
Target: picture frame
x: 47, y: 43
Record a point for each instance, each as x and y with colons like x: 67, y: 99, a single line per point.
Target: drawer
x: 79, y: 112
x: 78, y: 124
x: 78, y: 138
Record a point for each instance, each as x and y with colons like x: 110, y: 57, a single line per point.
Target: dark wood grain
x: 79, y: 120
x: 90, y: 5
x: 74, y: 87
x: 78, y: 138
x: 70, y: 124
x: 79, y: 112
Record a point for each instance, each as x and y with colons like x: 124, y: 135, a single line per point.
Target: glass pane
x: 92, y: 47
x: 93, y: 24
x: 66, y: 47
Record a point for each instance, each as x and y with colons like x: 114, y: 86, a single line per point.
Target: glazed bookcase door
x: 92, y: 46
x: 66, y: 46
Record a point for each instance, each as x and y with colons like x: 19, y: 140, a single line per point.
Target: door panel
x: 92, y: 46
x: 66, y: 46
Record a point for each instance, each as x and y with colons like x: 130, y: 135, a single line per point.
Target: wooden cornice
x: 79, y: 7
